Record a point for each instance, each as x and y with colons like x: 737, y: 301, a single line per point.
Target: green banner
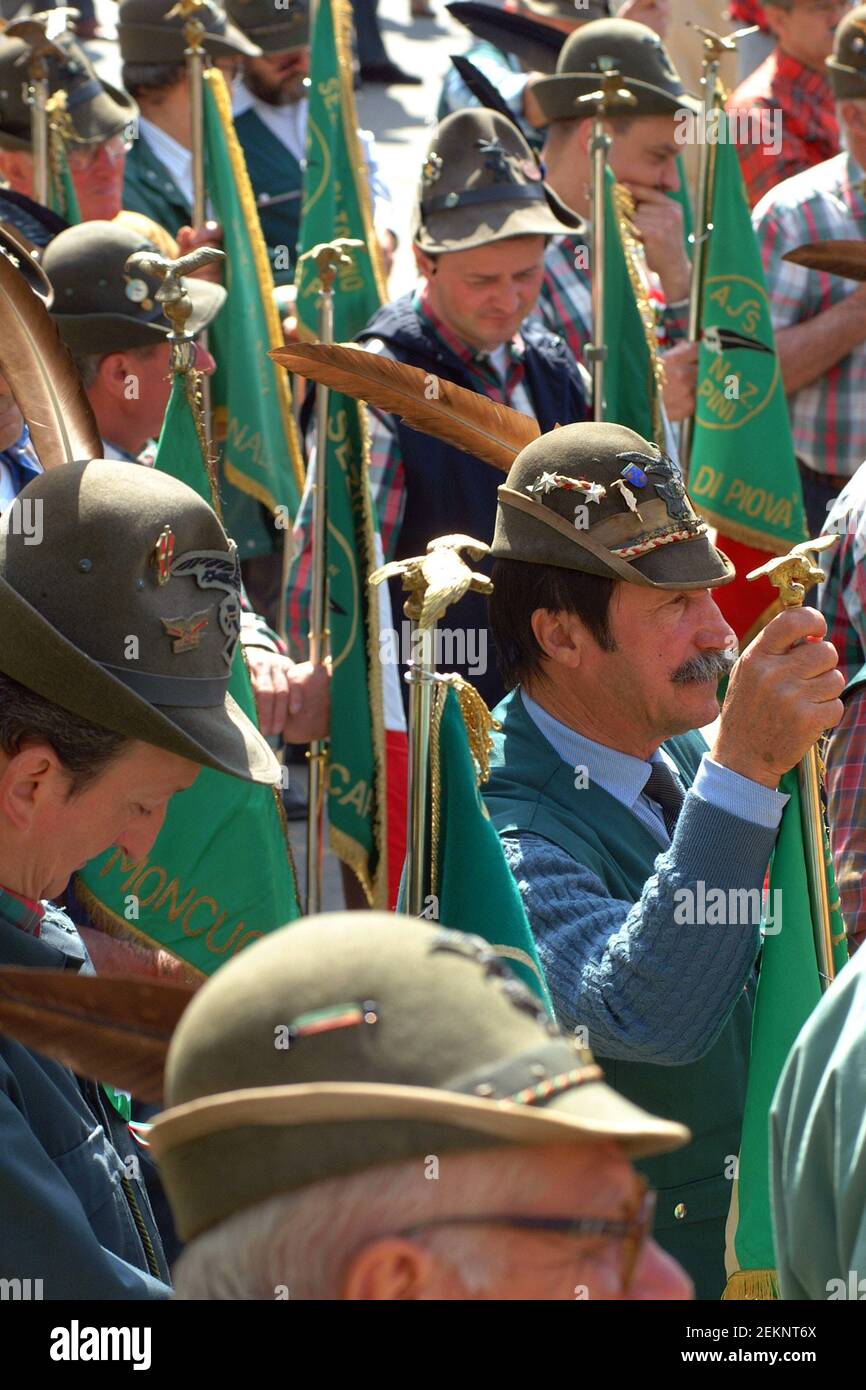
x: 337, y: 205
x: 743, y: 472
x: 788, y: 990
x: 62, y: 197
x: 630, y: 386
x: 473, y: 888
x: 253, y: 419
x: 220, y: 873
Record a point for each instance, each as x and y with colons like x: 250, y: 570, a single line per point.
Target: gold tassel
x: 752, y: 1285
x: 632, y: 246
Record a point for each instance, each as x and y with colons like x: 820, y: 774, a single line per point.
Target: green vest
x: 278, y: 183
x: 531, y: 789
x: 149, y: 188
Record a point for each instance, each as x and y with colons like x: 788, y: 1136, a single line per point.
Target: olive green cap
x: 129, y: 552
x: 600, y: 499
x: 847, y: 64
x: 274, y: 30
x: 96, y: 109
x: 635, y: 51
x: 147, y: 33
x: 355, y: 1039
x: 98, y: 307
x: 481, y: 183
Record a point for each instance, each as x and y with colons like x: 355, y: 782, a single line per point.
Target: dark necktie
x: 663, y: 788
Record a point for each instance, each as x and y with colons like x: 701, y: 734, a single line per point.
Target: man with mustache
x: 639, y: 853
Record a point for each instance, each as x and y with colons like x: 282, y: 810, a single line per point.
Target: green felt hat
x: 96, y: 109
x: 481, y: 183
x: 600, y: 499
x: 147, y: 33
x: 635, y: 51
x: 355, y: 1039
x: 847, y: 64
x: 98, y: 307
x: 274, y: 30
x: 127, y: 611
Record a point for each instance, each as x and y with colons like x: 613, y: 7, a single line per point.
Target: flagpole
x: 793, y: 575
x: 195, y: 55
x: 712, y: 98
x: 433, y: 582
x: 36, y: 91
x: 609, y: 97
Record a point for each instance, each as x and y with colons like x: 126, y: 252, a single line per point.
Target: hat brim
x: 693, y: 564
x: 40, y: 658
x: 536, y: 44
x: 462, y: 229
x: 156, y: 43
x: 104, y: 333
x: 110, y: 111
x: 281, y: 38
x: 558, y: 97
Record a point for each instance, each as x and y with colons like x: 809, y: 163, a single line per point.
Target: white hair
x: 296, y: 1245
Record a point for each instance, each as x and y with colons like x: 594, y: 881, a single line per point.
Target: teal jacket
x: 278, y: 184
x: 531, y: 791
x: 149, y: 188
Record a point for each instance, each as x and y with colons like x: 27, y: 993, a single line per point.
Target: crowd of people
x: 363, y: 1106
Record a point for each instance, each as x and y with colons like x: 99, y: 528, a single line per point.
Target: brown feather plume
x: 112, y: 1028
x: 493, y: 433
x: 846, y: 258
x: 42, y: 376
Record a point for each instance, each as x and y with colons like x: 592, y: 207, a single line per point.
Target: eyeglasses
x: 632, y: 1230
x: 83, y: 157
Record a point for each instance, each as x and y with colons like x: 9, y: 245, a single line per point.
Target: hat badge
x: 186, y: 632
x: 432, y: 169
x: 163, y: 554
x: 137, y: 291
x: 497, y: 159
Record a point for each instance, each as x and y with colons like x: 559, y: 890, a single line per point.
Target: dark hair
x: 151, y: 77
x: 520, y: 589
x: 88, y: 363
x: 84, y: 749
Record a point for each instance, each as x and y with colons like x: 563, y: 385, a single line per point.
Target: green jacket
x: 278, y: 183
x: 149, y: 188
x: 532, y: 790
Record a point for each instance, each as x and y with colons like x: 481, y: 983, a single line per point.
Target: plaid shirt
x: 842, y: 596
x: 565, y: 303
x: 826, y: 203
x: 846, y: 814
x: 386, y: 475
x: 806, y: 123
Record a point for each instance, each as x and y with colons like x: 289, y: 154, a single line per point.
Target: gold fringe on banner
x: 752, y: 1285
x: 632, y: 247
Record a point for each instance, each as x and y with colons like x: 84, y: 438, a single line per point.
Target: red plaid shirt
x: 846, y: 814
x: 806, y: 122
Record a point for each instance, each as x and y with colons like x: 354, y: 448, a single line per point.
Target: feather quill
x: 846, y: 258
x: 471, y: 422
x: 483, y: 89
x: 42, y: 376
x: 111, y: 1028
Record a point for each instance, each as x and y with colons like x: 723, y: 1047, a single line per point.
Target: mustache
x: 709, y: 666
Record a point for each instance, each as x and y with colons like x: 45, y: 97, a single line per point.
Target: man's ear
x: 425, y: 265
x: 561, y: 636
x: 114, y: 374
x: 29, y: 777
x: 388, y: 1270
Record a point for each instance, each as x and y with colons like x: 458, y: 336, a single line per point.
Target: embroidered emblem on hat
x: 162, y: 555
x: 552, y: 482
x: 432, y: 169
x: 217, y: 569
x: 186, y: 632
x: 671, y: 489
x: 497, y: 159
x: 530, y: 170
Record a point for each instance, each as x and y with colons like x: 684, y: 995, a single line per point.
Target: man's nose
x: 714, y: 632
x: 139, y: 839
x: 669, y: 181
x: 658, y: 1276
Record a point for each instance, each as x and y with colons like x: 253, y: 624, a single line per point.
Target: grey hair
x: 84, y: 749
x: 88, y: 364
x: 296, y: 1245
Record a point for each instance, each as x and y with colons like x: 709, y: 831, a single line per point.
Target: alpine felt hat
x: 96, y: 109
x: 481, y: 183
x: 98, y: 307
x: 127, y: 611
x: 599, y: 498
x: 356, y: 1039
x: 148, y: 33
x: 274, y: 30
x: 847, y: 63
x: 635, y: 51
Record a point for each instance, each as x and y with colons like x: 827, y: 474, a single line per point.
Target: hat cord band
x: 554, y: 1085
x: 493, y: 193
x: 510, y: 498
x: 191, y: 692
